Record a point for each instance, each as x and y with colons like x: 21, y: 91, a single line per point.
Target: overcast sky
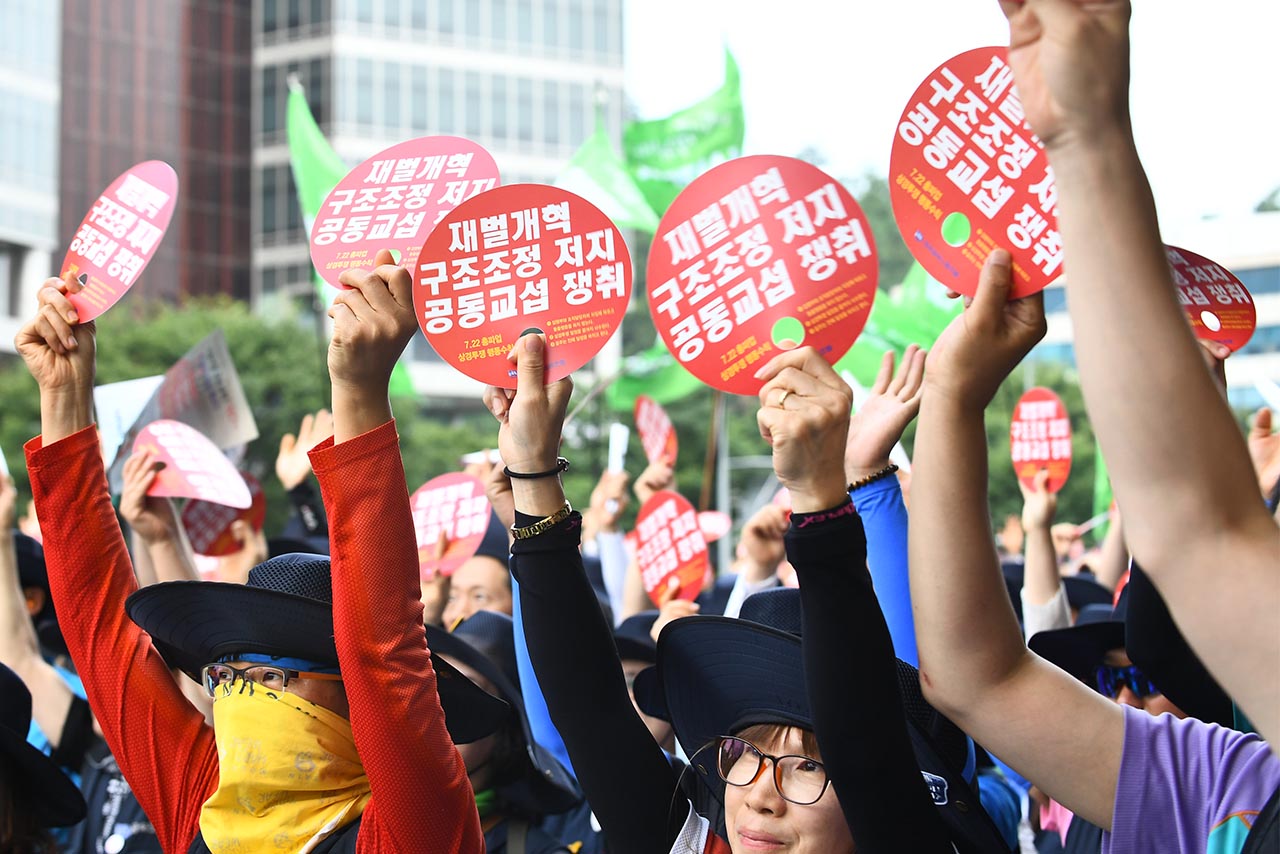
x: 835, y: 75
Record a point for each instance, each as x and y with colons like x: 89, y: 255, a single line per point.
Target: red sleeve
x: 422, y: 799
x: 160, y: 741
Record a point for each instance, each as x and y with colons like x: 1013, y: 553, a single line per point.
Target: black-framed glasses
x: 1110, y: 679
x: 266, y: 675
x: 799, y: 780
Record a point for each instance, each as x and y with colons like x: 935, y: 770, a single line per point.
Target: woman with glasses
x: 330, y: 713
x: 848, y: 783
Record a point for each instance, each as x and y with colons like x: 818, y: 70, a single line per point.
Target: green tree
x: 281, y: 364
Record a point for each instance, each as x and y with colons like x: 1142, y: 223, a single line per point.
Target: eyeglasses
x: 1110, y: 679
x: 798, y: 779
x: 214, y: 675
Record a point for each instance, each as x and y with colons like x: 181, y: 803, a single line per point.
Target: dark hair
x: 764, y: 734
x: 19, y: 833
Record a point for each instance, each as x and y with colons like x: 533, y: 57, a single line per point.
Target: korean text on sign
x: 671, y: 544
x: 965, y: 132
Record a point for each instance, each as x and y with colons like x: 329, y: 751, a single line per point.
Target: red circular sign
x: 968, y: 175
x: 1217, y: 303
x: 758, y: 252
x: 394, y: 199
x: 450, y: 516
x: 1040, y: 438
x: 519, y: 257
x: 193, y: 465
x: 120, y: 235
x: 671, y: 546
x: 208, y: 525
x: 657, y: 433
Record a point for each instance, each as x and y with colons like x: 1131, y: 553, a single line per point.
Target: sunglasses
x: 1110, y: 679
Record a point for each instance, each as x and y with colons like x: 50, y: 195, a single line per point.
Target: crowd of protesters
x: 862, y: 679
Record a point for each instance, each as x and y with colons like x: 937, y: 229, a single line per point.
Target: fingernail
x: 70, y: 342
x: 497, y: 409
x: 532, y: 343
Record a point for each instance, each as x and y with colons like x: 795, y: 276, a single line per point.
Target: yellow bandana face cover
x: 289, y: 773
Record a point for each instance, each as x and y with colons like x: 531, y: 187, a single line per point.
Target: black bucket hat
x: 50, y: 793
x: 1082, y: 647
x: 633, y: 639
x: 485, y: 642
x: 718, y: 675
x: 285, y: 609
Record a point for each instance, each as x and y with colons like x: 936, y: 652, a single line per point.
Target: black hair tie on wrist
x: 562, y: 465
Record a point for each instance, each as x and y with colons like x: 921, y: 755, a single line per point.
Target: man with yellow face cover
x: 330, y: 712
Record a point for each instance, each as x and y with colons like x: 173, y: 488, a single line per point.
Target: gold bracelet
x: 542, y: 524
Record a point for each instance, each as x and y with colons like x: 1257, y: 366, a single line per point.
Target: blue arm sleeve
x: 535, y: 705
x: 884, y: 517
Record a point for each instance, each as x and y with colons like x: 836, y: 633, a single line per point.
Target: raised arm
x: 1187, y: 490
x: 623, y: 772
x: 974, y: 666
x: 160, y: 742
x: 873, y: 431
x: 422, y: 799
x: 850, y: 671
x: 19, y: 648
x: 156, y: 523
x: 1044, y: 599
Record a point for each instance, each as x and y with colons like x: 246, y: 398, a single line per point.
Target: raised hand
x: 804, y: 415
x: 1070, y: 60
x: 761, y: 545
x: 1264, y: 450
x: 59, y: 353
x: 978, y: 349
x: 655, y: 478
x: 152, y: 518
x: 373, y: 321
x: 878, y: 424
x: 292, y: 462
x: 1039, y: 505
x: 531, y: 420
x: 8, y: 504
x: 608, y: 501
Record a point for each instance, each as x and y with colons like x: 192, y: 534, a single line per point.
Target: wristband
x: 561, y: 465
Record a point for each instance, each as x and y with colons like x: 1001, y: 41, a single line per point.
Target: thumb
x: 1262, y: 423
x: 531, y: 364
x: 383, y: 258
x: 994, y: 284
x: 667, y: 593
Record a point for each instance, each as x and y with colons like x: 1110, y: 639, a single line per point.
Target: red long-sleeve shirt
x: 421, y: 797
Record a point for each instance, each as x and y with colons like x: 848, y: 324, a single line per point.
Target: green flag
x: 598, y: 174
x: 915, y: 312
x: 317, y: 169
x: 654, y: 372
x: 664, y: 155
x: 1102, y: 497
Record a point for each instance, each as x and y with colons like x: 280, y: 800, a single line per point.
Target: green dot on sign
x: 955, y: 229
x: 788, y: 333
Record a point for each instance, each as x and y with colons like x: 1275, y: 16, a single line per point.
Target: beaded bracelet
x: 872, y: 478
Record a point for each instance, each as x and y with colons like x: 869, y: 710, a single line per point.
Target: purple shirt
x: 1187, y: 786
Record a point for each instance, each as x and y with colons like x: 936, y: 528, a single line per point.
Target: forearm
x: 572, y: 651
x: 1139, y: 363
x: 614, y: 561
x: 876, y: 778
x: 357, y: 411
x: 18, y: 645
x: 65, y: 412
x: 966, y: 631
x: 634, y: 597
x: 1040, y: 577
x: 140, y: 553
x: 1113, y: 561
x: 172, y: 559
x: 396, y: 717
x: 884, y: 518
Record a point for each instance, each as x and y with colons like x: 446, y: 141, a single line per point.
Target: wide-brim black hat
x: 718, y: 675
x: 1082, y: 647
x: 284, y: 609
x: 51, y: 795
x: 485, y: 642
x: 633, y: 639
